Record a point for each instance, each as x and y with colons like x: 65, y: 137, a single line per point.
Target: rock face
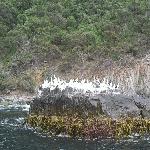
x: 131, y: 96
x: 134, y: 80
x: 133, y: 77
x: 61, y: 102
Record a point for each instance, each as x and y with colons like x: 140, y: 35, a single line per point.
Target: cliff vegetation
x: 64, y: 36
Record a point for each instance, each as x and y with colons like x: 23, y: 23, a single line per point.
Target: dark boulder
x: 57, y: 102
x: 69, y: 101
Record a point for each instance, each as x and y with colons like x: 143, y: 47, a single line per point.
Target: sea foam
x: 83, y: 86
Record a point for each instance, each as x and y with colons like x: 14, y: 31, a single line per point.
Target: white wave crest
x: 83, y: 86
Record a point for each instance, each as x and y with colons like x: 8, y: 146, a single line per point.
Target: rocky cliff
x: 123, y: 92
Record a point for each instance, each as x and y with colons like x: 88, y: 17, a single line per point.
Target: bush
x: 26, y: 83
x: 7, y: 83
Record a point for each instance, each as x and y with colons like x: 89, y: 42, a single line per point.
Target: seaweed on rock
x: 91, y: 127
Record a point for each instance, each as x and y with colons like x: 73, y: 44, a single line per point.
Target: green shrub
x: 26, y: 83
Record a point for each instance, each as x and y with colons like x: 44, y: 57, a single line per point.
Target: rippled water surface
x: 15, y: 136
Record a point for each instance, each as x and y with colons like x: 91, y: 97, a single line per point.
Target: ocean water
x: 16, y: 136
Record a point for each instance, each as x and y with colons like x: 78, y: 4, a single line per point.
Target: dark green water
x: 15, y: 136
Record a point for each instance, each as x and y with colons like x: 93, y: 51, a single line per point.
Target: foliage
x: 93, y: 22
x: 37, y: 26
x: 23, y: 82
x: 26, y: 83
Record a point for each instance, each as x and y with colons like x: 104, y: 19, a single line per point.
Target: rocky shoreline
x: 68, y: 111
x: 100, y: 110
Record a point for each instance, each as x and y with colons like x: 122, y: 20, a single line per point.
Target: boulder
x: 68, y: 101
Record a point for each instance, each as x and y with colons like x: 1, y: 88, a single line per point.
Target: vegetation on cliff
x: 37, y: 33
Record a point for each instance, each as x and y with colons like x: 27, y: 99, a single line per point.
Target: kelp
x: 90, y: 127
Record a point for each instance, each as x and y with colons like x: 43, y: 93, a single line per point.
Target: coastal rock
x: 68, y: 101
x: 63, y: 102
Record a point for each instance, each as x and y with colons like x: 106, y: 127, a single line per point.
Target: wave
x: 83, y: 86
x: 15, y: 106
